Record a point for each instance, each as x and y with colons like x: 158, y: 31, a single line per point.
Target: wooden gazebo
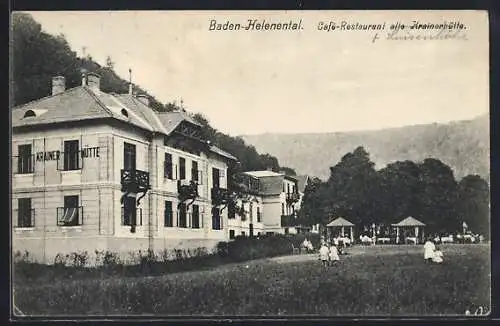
x: 341, y: 223
x: 409, y: 223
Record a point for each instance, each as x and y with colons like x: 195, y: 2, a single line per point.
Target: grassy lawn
x: 379, y: 280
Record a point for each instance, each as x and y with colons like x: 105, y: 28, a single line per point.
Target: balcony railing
x: 134, y: 181
x: 288, y: 220
x: 292, y: 197
x: 187, y: 190
x: 220, y: 196
x: 24, y: 218
x: 70, y: 216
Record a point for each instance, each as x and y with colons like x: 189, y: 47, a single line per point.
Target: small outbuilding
x: 341, y: 223
x: 408, y: 224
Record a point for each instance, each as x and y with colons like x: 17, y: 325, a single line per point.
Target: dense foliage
x: 38, y: 56
x: 426, y: 191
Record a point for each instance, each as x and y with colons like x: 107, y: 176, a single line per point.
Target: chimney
x: 58, y: 85
x: 143, y: 98
x: 94, y: 81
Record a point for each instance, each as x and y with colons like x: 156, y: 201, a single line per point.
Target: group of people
x: 328, y: 253
x: 432, y: 253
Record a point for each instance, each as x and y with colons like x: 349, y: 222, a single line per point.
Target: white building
x: 269, y: 206
x: 97, y: 171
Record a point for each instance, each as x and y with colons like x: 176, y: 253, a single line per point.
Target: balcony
x: 69, y: 216
x: 220, y: 196
x: 292, y: 197
x: 187, y: 190
x: 134, y: 181
x: 288, y: 220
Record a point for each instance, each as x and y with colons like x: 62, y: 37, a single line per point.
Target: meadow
x: 378, y: 280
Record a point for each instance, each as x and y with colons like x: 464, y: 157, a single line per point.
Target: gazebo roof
x: 409, y: 221
x: 340, y: 221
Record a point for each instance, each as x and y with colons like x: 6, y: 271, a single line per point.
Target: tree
x: 399, y: 192
x: 438, y: 196
x: 352, y: 186
x: 312, y: 208
x: 473, y: 204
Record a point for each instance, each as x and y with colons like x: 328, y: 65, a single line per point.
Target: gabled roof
x: 409, y: 221
x: 84, y: 103
x: 80, y: 100
x: 340, y: 221
x: 172, y: 120
x: 145, y: 111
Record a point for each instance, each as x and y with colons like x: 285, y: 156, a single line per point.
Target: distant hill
x: 463, y: 145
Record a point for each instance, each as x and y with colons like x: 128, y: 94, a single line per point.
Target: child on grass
x: 333, y: 254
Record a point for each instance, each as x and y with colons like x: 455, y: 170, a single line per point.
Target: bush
x: 248, y: 248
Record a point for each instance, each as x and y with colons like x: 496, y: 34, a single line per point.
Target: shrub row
x: 141, y: 263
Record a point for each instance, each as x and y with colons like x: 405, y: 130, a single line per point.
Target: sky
x: 306, y: 81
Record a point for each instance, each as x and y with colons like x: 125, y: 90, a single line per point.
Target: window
x: 288, y: 188
x: 25, y: 159
x: 168, y: 166
x: 282, y: 209
x: 182, y: 222
x: 216, y: 222
x: 283, y: 187
x: 286, y: 231
x: 71, y: 155
x: 169, y: 221
x: 129, y: 156
x: 24, y: 213
x: 231, y: 211
x: 215, y: 178
x: 182, y: 168
x: 129, y: 215
x: 259, y: 217
x: 69, y: 215
x: 29, y: 113
x: 231, y: 234
x: 195, y: 224
x: 243, y: 233
x: 194, y: 171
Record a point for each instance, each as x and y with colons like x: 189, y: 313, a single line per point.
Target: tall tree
x: 438, y: 196
x: 473, y: 204
x: 399, y: 192
x: 312, y: 210
x: 352, y: 186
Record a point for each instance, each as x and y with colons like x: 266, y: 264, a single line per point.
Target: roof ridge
x: 101, y: 104
x: 16, y: 107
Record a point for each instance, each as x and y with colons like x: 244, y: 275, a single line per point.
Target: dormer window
x: 124, y: 112
x: 29, y: 113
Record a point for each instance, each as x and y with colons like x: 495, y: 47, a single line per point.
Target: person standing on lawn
x: 333, y: 254
x: 429, y: 248
x: 323, y: 254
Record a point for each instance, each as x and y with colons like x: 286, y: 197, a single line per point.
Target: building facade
x: 269, y: 205
x: 97, y: 171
